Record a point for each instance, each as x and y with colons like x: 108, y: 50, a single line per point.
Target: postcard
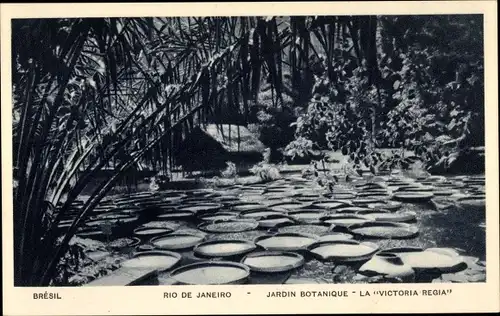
x: 250, y: 158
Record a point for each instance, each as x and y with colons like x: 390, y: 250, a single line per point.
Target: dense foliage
x: 424, y: 93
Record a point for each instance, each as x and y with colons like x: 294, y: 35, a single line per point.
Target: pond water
x: 443, y: 220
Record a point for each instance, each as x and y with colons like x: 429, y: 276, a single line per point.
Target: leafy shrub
x: 426, y: 84
x: 300, y: 147
x: 267, y: 172
x: 77, y: 268
x: 230, y: 171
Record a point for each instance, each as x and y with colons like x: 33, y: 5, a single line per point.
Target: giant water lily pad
x: 252, y: 198
x: 341, y: 196
x: 223, y: 248
x: 384, y: 230
x: 275, y: 221
x: 176, y: 215
x: 288, y: 206
x: 128, y: 210
x: 159, y: 260
x: 93, y: 233
x: 314, y: 229
x: 371, y: 211
x: 368, y: 186
x: 195, y: 201
x: 388, y: 205
x: 392, y: 217
x: 389, y: 266
x: 473, y: 202
x: 307, y: 216
x: 351, y: 210
x: 381, y: 197
x: 333, y: 236
x: 100, y: 209
x: 229, y: 226
x: 279, y: 189
x: 343, y: 250
x: 272, y: 200
x: 273, y: 261
x: 441, y: 192
x: 171, y: 194
x: 240, y: 207
x: 398, y: 183
x: 213, y: 272
x: 201, y: 208
x: 150, y: 232
x: 472, y: 181
x: 227, y: 199
x: 412, y: 196
x: 372, y: 192
x: 171, y: 225
x: 175, y: 241
x: 140, y: 194
x: 258, y: 214
x: 198, y: 192
x: 432, y: 259
x: 114, y: 217
x: 416, y: 188
x: 285, y: 241
x: 331, y: 204
x: 306, y: 194
x: 344, y: 220
x: 367, y: 200
x: 307, y: 199
x: 435, y: 178
x: 219, y: 216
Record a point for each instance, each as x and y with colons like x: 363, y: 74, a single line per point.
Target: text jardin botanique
x: 285, y: 294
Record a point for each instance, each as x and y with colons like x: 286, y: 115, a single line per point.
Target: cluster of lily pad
x: 242, y: 230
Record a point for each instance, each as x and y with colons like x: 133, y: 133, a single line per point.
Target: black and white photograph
x: 222, y: 150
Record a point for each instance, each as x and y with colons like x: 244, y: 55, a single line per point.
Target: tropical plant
x: 230, y: 171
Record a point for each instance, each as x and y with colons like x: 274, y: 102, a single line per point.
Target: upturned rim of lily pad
x: 327, y: 226
x: 285, y: 220
x: 279, y: 205
x: 212, y: 263
x: 342, y: 203
x: 205, y: 217
x: 412, y: 229
x: 340, y: 257
x: 177, y: 214
x: 186, y: 245
x: 198, y: 251
x: 282, y: 268
x: 205, y: 207
x: 160, y: 231
x: 252, y: 224
x: 336, y: 219
x: 407, y: 216
x: 165, y: 253
x: 312, y: 237
x: 251, y: 214
x: 413, y: 196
